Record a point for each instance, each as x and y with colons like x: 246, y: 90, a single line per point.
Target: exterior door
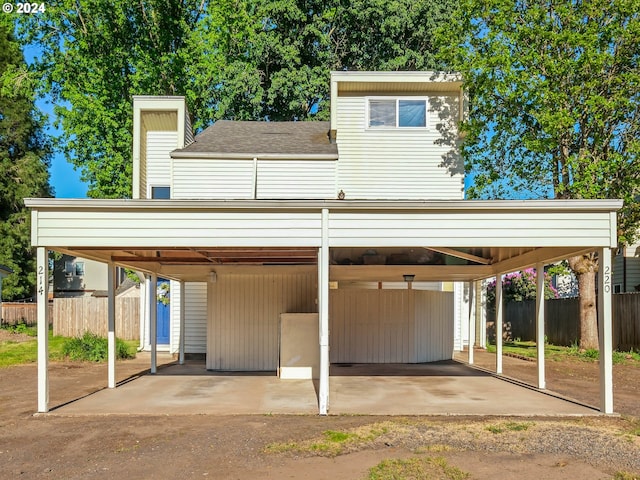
x: 163, y: 317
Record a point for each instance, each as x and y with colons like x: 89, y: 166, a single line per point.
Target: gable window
x: 397, y: 113
x: 161, y: 193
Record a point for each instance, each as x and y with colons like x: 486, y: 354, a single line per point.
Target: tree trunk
x: 585, y: 268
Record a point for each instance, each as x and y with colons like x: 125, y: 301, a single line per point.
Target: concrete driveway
x: 442, y: 388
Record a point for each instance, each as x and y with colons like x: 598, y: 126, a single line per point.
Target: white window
x: 397, y: 113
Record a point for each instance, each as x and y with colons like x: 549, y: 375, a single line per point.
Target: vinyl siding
x: 390, y: 326
x: 158, y: 161
x: 632, y: 254
x: 395, y: 163
x: 204, y: 178
x: 296, y: 179
x: 195, y: 317
x: 244, y: 313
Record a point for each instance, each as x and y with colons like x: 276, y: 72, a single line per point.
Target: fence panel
x: 562, y: 321
x: 72, y: 317
x: 14, y: 313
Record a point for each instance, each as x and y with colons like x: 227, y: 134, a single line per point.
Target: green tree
x: 232, y: 59
x: 554, y: 107
x: 24, y: 160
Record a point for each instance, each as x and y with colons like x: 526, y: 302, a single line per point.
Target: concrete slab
x: 443, y: 388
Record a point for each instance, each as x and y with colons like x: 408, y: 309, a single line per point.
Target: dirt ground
x: 232, y: 447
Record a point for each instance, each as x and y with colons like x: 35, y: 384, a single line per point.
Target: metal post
x: 111, y: 320
x: 472, y: 320
x: 43, y: 328
x: 323, y: 311
x: 498, y: 324
x: 182, y: 323
x: 153, y: 321
x: 540, y: 324
x: 605, y: 335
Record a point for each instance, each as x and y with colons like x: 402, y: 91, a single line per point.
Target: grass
x: 422, y: 468
x: 557, y: 353
x: 333, y: 443
x: 509, y: 427
x: 19, y: 353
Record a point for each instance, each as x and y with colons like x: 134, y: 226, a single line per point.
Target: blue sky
x: 64, y: 179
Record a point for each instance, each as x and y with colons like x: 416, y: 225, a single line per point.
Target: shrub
x: 93, y: 348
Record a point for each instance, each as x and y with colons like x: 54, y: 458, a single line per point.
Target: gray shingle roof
x: 256, y: 138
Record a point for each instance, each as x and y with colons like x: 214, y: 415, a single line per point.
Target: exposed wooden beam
x: 459, y: 254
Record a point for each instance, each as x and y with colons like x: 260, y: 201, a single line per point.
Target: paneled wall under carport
x: 390, y: 326
x: 244, y: 315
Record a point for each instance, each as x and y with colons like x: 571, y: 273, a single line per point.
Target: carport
x: 188, y: 240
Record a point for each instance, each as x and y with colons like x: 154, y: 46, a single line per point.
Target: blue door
x: 163, y: 316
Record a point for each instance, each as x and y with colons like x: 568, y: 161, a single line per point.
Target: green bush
x: 93, y: 348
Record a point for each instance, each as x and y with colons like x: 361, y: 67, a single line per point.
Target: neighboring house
x: 626, y: 269
x: 78, y: 277
x: 4, y: 272
x: 264, y: 228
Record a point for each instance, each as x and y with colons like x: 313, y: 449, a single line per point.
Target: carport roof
x: 188, y: 239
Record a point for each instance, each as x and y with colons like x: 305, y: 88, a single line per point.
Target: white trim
x: 111, y: 320
x: 498, y: 324
x: 323, y: 309
x: 540, y: 324
x: 605, y: 330
x: 42, y: 288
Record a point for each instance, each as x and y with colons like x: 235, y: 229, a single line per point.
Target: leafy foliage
x: 232, y: 59
x: 24, y: 159
x: 520, y: 286
x: 93, y: 348
x: 554, y: 99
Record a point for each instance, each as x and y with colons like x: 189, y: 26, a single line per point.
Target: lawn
x: 557, y: 353
x: 17, y: 352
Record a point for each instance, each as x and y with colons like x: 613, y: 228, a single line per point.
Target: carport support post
x: 43, y: 329
x: 472, y: 319
x: 498, y: 323
x: 111, y: 319
x: 323, y: 310
x: 540, y: 324
x: 605, y: 331
x: 182, y: 320
x: 153, y: 321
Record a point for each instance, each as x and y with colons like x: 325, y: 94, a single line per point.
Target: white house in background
x: 294, y: 245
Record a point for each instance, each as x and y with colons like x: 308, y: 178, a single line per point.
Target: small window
x: 79, y: 271
x: 397, y: 113
x: 617, y: 288
x: 161, y: 193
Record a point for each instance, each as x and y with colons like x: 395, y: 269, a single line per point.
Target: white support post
x: 540, y: 324
x: 182, y: 320
x: 143, y: 308
x: 43, y: 329
x: 605, y: 334
x: 472, y: 320
x: 153, y: 321
x: 481, y: 305
x: 111, y: 320
x: 323, y: 314
x: 498, y: 324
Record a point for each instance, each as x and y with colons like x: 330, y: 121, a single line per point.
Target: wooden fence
x: 562, y: 321
x: 72, y: 317
x: 14, y: 313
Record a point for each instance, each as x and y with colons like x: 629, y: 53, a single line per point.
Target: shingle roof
x: 256, y: 138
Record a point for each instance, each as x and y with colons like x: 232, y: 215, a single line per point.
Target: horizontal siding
x: 553, y: 229
x: 203, y: 178
x: 244, y: 317
x: 176, y: 228
x: 395, y: 163
x: 195, y: 317
x: 296, y: 179
x: 159, y: 146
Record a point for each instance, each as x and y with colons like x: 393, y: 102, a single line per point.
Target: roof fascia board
x: 400, y: 77
x: 335, y: 205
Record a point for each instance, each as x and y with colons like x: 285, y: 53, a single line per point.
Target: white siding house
x: 359, y: 221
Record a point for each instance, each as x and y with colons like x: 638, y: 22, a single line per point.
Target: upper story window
x: 161, y: 193
x: 397, y: 113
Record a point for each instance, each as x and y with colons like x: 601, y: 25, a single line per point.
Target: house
x: 294, y: 245
x: 78, y: 277
x: 626, y: 269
